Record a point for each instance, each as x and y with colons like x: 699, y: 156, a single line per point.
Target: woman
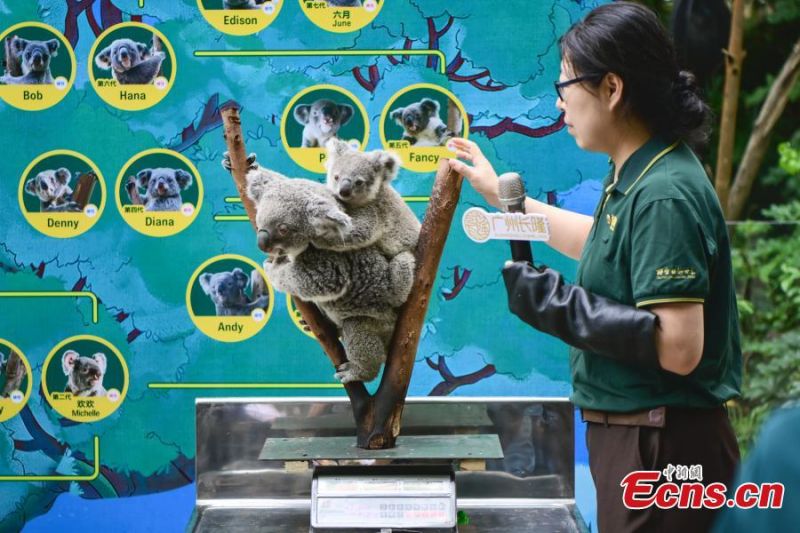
x: 652, y: 317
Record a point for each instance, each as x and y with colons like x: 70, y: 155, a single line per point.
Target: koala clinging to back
x: 84, y: 374
x: 226, y: 290
x: 421, y: 123
x: 163, y: 186
x: 362, y: 182
x: 53, y: 190
x: 34, y: 58
x: 322, y: 121
x: 131, y: 63
x: 358, y: 290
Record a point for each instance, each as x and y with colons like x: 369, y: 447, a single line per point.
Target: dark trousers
x: 689, y: 437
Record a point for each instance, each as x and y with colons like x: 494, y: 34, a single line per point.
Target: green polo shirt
x: 659, y: 236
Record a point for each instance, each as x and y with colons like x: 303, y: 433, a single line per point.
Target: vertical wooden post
x: 734, y: 56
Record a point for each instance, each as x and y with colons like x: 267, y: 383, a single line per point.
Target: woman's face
x: 586, y: 115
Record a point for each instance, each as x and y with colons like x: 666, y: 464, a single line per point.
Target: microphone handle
x: 520, y: 250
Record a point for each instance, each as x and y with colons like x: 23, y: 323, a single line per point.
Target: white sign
x: 481, y: 226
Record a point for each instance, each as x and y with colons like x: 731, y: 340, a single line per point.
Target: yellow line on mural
x: 55, y: 294
x: 306, y: 53
x: 245, y: 385
x: 91, y: 477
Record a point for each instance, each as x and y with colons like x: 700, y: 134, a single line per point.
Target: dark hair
x: 628, y: 39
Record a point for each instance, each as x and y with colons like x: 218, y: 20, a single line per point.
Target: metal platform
x: 530, y: 489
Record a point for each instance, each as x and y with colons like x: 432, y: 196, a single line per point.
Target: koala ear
x: 143, y: 177
x: 346, y: 111
x: 18, y: 43
x: 336, y: 147
x: 52, y: 46
x: 397, y: 115
x: 302, y: 113
x: 387, y: 162
x: 259, y: 182
x: 183, y: 178
x: 429, y: 106
x: 68, y: 361
x: 240, y: 277
x: 101, y: 361
x: 205, y: 282
x: 30, y: 186
x: 103, y: 59
x: 63, y: 175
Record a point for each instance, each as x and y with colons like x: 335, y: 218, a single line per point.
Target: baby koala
x: 84, y: 374
x: 321, y: 121
x: 361, y: 181
x: 131, y: 63
x: 421, y: 123
x: 163, y: 186
x: 227, y: 291
x: 34, y: 58
x: 53, y: 190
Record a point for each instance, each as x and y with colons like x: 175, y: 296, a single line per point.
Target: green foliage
x: 766, y: 261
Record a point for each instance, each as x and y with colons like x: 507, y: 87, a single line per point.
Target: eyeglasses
x: 559, y: 85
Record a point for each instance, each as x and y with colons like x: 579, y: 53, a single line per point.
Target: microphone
x: 511, y: 193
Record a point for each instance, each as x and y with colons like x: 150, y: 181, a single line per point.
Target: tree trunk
x: 730, y: 104
x: 13, y: 65
x: 757, y: 145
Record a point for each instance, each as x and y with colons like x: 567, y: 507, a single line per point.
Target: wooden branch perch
x: 377, y: 417
x: 84, y: 189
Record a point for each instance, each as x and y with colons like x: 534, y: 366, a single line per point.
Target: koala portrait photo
x: 227, y: 291
x: 344, y: 3
x: 242, y: 4
x: 131, y: 63
x: 380, y: 216
x: 321, y: 121
x: 53, y: 190
x: 34, y: 59
x: 84, y: 374
x: 358, y: 290
x: 10, y: 382
x: 421, y: 123
x: 163, y: 188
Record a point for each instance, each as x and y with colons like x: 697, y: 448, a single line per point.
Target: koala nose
x: 264, y: 243
x: 345, y: 188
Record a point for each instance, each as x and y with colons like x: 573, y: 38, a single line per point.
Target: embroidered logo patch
x: 612, y: 221
x: 675, y: 273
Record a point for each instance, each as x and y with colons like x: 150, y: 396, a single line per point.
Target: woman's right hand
x: 481, y: 174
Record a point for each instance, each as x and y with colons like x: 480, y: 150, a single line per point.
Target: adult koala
x: 226, y: 290
x: 53, y: 190
x: 131, y: 63
x: 421, y: 123
x: 358, y: 290
x: 321, y: 121
x: 163, y: 186
x: 34, y: 58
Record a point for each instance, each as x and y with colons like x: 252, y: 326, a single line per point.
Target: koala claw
x: 227, y: 165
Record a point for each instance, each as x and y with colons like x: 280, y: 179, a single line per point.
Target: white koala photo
x: 321, y: 121
x: 131, y: 63
x: 227, y: 291
x: 53, y: 190
x: 358, y: 290
x: 84, y: 374
x: 421, y: 123
x: 34, y: 59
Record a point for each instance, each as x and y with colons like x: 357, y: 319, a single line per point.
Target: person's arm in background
x: 568, y: 230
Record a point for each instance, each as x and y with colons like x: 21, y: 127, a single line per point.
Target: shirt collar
x: 637, y: 163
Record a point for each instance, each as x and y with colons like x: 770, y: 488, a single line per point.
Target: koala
x: 344, y: 3
x: 242, y: 4
x: 53, y: 190
x: 322, y: 121
x: 421, y: 123
x: 380, y: 217
x: 163, y: 186
x: 84, y: 374
x: 358, y: 290
x: 227, y: 291
x: 131, y: 63
x: 34, y: 58
x: 14, y: 381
